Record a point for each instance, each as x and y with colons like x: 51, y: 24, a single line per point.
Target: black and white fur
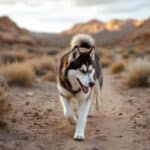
x: 80, y: 77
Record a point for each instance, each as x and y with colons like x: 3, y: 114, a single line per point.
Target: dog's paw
x: 79, y: 137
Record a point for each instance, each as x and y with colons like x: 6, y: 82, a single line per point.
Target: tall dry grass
x: 18, y: 73
x: 41, y: 65
x: 13, y: 56
x: 105, y: 61
x: 138, y: 73
x: 117, y: 67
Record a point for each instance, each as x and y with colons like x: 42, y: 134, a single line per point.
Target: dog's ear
x: 75, y: 53
x: 92, y: 53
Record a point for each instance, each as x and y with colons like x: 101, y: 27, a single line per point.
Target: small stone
x: 29, y: 93
x: 35, y: 123
x: 36, y: 114
x: 25, y: 137
x: 14, y: 120
x: 120, y: 114
x: 95, y: 148
x: 49, y: 110
x: 97, y: 131
x: 27, y: 103
x: 3, y: 124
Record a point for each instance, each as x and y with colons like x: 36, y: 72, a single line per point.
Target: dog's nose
x: 91, y: 84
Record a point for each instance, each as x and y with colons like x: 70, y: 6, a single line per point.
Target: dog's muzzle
x: 85, y: 88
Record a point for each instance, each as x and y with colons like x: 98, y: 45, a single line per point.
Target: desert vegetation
x: 19, y: 74
x: 22, y: 68
x: 138, y: 73
x: 105, y: 61
x: 49, y: 76
x: 41, y: 65
x: 5, y: 106
x: 117, y: 67
x: 13, y: 56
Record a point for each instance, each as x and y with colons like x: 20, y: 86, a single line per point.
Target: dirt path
x: 37, y: 121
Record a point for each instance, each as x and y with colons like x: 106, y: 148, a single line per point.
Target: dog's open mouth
x: 84, y: 88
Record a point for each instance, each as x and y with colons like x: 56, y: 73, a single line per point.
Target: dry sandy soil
x: 37, y: 122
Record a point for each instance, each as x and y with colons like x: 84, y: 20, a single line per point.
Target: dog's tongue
x: 85, y: 89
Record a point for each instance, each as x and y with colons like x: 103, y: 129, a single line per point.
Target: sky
x: 59, y: 15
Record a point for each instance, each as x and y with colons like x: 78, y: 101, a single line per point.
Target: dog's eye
x: 90, y: 70
x: 82, y: 71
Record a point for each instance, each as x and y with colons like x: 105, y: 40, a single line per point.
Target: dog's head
x: 81, y: 68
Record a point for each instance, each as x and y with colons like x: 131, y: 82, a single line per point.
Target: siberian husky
x: 79, y: 77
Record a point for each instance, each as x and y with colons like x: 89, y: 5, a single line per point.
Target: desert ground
x: 37, y: 122
x: 31, y: 116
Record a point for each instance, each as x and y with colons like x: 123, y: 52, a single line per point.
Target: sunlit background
x: 58, y: 15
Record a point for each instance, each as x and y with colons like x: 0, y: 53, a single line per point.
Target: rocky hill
x: 10, y: 33
x: 139, y: 38
x: 95, y: 26
x: 110, y: 32
x: 92, y: 26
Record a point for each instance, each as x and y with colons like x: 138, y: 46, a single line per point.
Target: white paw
x: 79, y: 136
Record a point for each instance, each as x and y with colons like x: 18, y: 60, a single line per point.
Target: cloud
x: 126, y: 8
x: 112, y: 3
x: 20, y: 1
x: 94, y: 2
x: 30, y: 2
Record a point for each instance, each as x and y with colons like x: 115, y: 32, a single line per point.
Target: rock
x: 29, y: 93
x: 95, y: 148
x: 27, y: 103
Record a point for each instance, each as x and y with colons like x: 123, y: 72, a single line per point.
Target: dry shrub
x: 125, y: 54
x: 105, y: 61
x: 41, y: 65
x: 19, y: 74
x: 5, y: 106
x: 13, y: 56
x: 50, y: 76
x: 138, y: 73
x: 117, y: 67
x: 3, y: 83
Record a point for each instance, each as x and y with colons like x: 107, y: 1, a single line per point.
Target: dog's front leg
x: 67, y: 108
x: 82, y: 118
x: 98, y: 95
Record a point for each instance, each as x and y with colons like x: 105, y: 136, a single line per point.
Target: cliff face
x: 110, y: 32
x: 92, y: 26
x: 140, y: 37
x: 95, y: 26
x: 10, y: 33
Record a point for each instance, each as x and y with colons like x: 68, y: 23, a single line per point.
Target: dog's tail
x: 83, y: 41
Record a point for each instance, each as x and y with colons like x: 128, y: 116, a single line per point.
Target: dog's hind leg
x: 81, y: 123
x: 68, y: 111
